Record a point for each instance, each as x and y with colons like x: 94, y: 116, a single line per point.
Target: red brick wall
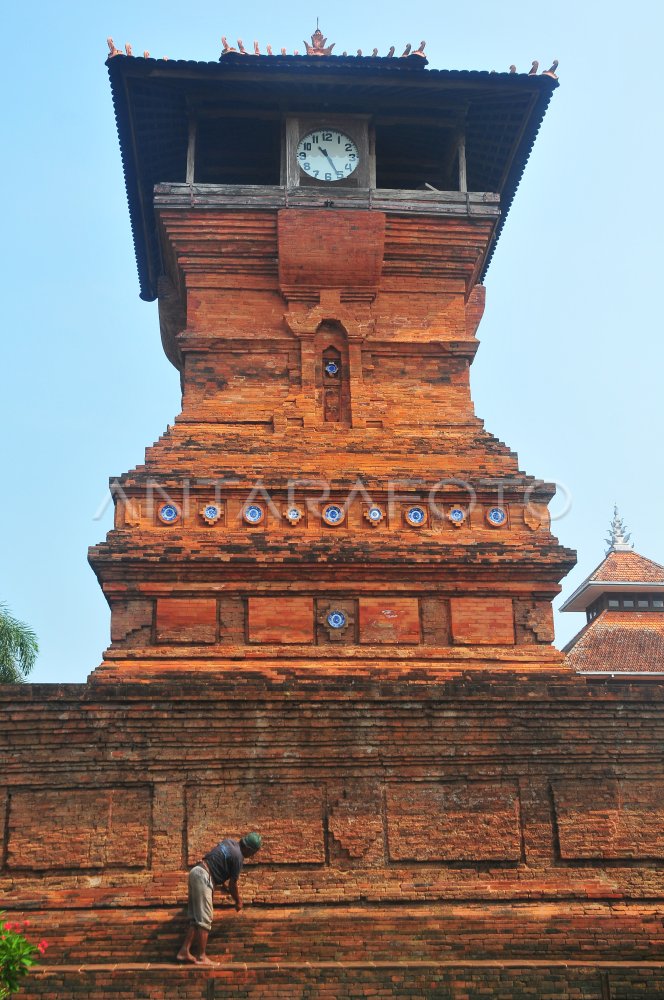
x: 323, y: 249
x: 520, y: 981
x: 187, y: 620
x: 487, y: 621
x: 432, y: 817
x: 389, y: 620
x: 283, y: 619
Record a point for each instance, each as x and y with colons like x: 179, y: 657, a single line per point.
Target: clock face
x: 327, y: 155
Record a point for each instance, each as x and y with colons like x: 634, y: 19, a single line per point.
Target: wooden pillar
x: 191, y: 150
x: 463, y: 179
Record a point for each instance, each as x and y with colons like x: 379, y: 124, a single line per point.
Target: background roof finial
x: 618, y: 540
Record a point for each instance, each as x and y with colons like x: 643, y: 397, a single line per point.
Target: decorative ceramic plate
x: 168, y: 513
x: 496, y: 516
x: 253, y: 513
x: 293, y: 515
x: 333, y: 514
x: 211, y: 513
x: 416, y: 516
x: 331, y: 368
x: 457, y: 516
x: 336, y: 619
x: 374, y: 515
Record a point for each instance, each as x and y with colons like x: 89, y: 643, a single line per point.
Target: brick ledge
x: 512, y: 963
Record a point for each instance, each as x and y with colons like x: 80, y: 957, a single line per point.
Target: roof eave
x: 579, y: 601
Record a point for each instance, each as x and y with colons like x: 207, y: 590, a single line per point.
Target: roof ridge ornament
x: 618, y: 540
x: 551, y: 71
x: 318, y: 44
x: 317, y: 48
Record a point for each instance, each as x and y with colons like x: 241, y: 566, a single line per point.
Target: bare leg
x: 184, y: 954
x: 201, y: 945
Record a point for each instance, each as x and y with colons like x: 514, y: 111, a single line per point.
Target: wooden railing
x: 252, y: 197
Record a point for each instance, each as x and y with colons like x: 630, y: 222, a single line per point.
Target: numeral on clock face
x: 328, y: 155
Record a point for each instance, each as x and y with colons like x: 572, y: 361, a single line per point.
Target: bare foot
x: 186, y: 956
x: 204, y: 960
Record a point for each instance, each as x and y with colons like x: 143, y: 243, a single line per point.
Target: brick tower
x: 330, y: 587
x: 315, y: 230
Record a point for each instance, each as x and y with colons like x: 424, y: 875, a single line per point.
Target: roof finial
x: 618, y: 540
x: 318, y: 44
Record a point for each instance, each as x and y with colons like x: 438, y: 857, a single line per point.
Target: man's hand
x: 234, y: 892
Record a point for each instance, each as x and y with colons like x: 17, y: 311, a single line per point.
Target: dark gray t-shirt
x: 225, y: 861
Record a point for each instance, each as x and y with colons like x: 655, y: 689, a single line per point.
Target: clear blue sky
x: 569, y: 371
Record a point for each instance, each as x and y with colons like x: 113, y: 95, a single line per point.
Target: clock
x: 328, y: 152
x: 328, y: 155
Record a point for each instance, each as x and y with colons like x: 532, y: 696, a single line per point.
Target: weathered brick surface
x: 285, y: 619
x: 132, y: 622
x: 287, y: 815
x: 413, y: 813
x: 393, y: 297
x: 321, y: 249
x: 74, y: 828
x: 437, y: 933
x: 455, y: 821
x: 389, y: 620
x: 488, y: 621
x: 188, y: 620
x: 622, y: 818
x: 338, y: 981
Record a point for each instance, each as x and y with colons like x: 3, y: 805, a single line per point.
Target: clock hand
x: 324, y: 153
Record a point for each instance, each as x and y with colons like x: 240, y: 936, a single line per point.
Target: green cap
x: 253, y: 841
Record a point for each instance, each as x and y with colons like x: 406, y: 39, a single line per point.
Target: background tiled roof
x: 629, y: 567
x: 620, y: 641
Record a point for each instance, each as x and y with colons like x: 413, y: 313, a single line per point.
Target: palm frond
x: 18, y: 648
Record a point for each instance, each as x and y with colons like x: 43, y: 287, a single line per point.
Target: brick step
x: 522, y: 980
x: 225, y: 968
x: 435, y: 933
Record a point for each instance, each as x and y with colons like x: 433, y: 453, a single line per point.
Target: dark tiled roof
x: 619, y: 642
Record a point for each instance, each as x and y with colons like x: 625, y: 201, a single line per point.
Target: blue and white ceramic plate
x: 336, y: 619
x: 168, y: 513
x: 496, y: 516
x: 416, y: 516
x: 253, y: 514
x: 333, y: 514
x: 211, y: 513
